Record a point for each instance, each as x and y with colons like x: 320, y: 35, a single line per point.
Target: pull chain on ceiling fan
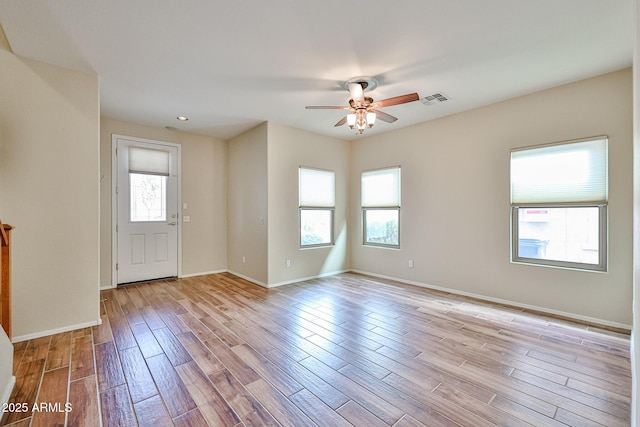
x: 364, y: 110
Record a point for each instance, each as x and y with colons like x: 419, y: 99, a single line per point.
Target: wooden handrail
x: 5, y: 277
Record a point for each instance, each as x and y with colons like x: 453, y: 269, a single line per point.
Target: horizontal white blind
x: 573, y: 172
x: 381, y: 188
x: 317, y: 188
x: 150, y: 162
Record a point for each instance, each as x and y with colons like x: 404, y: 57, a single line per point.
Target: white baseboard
x: 250, y: 279
x: 302, y: 279
x: 56, y: 331
x: 6, y: 393
x: 579, y: 317
x: 287, y: 282
x: 184, y: 276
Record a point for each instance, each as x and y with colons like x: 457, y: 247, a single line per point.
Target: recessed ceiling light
x: 182, y: 118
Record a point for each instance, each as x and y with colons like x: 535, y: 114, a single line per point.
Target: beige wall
x: 203, y: 189
x: 49, y: 168
x: 288, y: 149
x: 455, y: 199
x: 247, y: 205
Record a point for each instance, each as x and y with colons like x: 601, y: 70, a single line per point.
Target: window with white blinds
x: 317, y: 188
x: 317, y: 200
x: 574, y: 172
x: 381, y: 188
x: 559, y: 195
x: 149, y: 162
x: 380, y: 191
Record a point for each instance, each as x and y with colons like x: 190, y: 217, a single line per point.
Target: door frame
x: 114, y: 200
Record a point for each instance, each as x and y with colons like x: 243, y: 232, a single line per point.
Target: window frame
x: 317, y: 245
x: 602, y: 205
x: 327, y: 208
x: 364, y: 227
x: 601, y: 266
x: 381, y: 207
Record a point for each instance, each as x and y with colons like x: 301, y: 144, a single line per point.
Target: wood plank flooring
x: 344, y: 350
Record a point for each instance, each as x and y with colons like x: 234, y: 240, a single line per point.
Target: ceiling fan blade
x: 341, y: 122
x: 326, y: 107
x: 383, y: 116
x: 356, y: 91
x: 402, y: 99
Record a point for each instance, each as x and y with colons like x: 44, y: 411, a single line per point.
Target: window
x: 381, y: 207
x: 148, y: 173
x: 559, y: 204
x: 317, y: 204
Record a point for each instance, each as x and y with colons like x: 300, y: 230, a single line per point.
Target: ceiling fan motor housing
x: 367, y: 101
x: 368, y: 83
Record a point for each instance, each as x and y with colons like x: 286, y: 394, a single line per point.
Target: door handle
x: 172, y: 223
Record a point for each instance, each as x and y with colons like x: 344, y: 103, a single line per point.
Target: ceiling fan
x: 364, y: 110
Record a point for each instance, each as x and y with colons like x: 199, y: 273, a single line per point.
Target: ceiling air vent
x: 436, y: 98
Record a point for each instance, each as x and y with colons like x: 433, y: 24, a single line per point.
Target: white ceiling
x: 229, y: 65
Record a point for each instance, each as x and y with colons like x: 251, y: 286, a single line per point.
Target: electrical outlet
x: 288, y: 263
x: 410, y: 264
x: 244, y: 259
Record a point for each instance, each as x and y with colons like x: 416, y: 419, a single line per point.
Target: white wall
x: 288, y: 149
x: 247, y: 202
x: 49, y: 168
x: 7, y: 380
x: 204, y: 239
x: 635, y: 334
x: 455, y: 212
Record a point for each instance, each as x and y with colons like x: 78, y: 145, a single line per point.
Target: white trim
x: 250, y: 279
x: 302, y: 279
x: 287, y: 282
x: 56, y: 331
x: 588, y: 319
x: 114, y: 200
x: 105, y: 287
x: 6, y: 394
x: 205, y: 273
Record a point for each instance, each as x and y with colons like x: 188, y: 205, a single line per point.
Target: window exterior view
x: 569, y: 234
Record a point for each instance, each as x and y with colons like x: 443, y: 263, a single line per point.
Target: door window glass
x: 148, y: 197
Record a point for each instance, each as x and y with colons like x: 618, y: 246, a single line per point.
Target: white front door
x: 146, y: 227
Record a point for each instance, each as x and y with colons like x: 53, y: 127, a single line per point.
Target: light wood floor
x: 217, y: 350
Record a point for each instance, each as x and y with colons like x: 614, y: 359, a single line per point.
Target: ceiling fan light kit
x: 363, y: 110
x: 361, y: 119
